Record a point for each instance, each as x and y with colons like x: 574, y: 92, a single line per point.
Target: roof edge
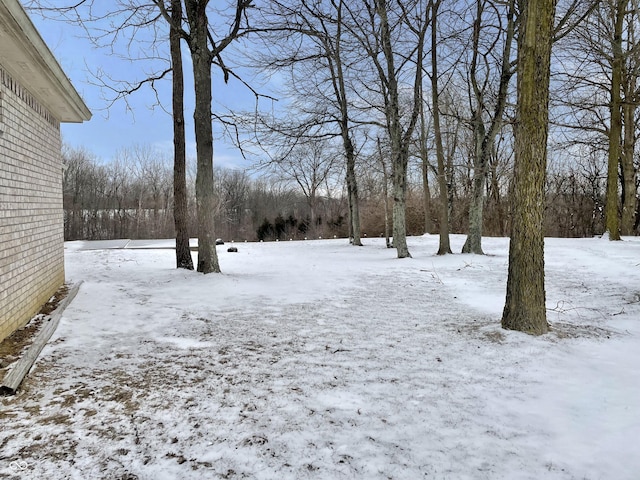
x: 56, y: 91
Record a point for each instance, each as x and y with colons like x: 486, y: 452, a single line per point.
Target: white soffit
x: 25, y: 56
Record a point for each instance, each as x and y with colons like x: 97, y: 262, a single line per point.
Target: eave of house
x: 25, y: 56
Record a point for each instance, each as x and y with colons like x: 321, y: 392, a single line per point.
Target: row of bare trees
x: 408, y: 78
x: 131, y: 196
x: 597, y: 97
x: 430, y: 80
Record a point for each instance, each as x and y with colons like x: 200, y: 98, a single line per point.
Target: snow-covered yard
x: 317, y: 360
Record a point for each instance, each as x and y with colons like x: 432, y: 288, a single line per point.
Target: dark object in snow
x: 232, y: 249
x: 219, y: 241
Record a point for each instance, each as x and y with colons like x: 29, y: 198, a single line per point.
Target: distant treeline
x: 132, y: 197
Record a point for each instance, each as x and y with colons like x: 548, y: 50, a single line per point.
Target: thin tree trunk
x: 399, y: 164
x: 385, y: 194
x: 180, y: 201
x: 445, y: 246
x: 341, y: 95
x: 400, y: 133
x: 424, y: 158
x: 449, y: 169
x: 205, y: 199
x: 612, y: 221
x: 628, y: 169
x: 497, y: 199
x: 525, y: 308
x: 352, y: 192
x: 387, y: 226
x: 426, y: 196
x: 485, y: 139
x: 629, y: 173
x: 473, y: 243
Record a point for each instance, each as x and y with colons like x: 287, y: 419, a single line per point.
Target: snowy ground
x: 317, y: 360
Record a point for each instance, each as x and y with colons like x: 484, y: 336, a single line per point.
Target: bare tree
x: 424, y: 168
x: 601, y: 66
x: 307, y: 40
x: 202, y: 57
x: 80, y: 173
x: 205, y: 46
x: 385, y: 195
x: 234, y: 188
x: 630, y: 100
x: 444, y: 246
x: 615, y: 129
x: 486, y: 131
x: 309, y: 167
x: 206, y: 50
x: 525, y: 308
x: 180, y: 195
x: 338, y: 79
x: 393, y: 38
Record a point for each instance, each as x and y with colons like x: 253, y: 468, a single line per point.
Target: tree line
x: 415, y: 88
x: 131, y: 196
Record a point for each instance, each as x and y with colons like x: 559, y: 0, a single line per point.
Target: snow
x: 319, y: 360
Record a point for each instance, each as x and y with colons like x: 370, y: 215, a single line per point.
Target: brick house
x: 35, y: 97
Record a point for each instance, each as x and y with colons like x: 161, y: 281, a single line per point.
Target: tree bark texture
x: 612, y: 221
x: 525, y: 308
x: 180, y: 202
x: 205, y: 200
x: 399, y: 177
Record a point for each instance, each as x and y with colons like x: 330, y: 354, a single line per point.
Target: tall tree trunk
x: 445, y: 246
x: 398, y: 163
x: 525, y: 308
x: 485, y: 138
x: 205, y: 200
x: 313, y: 207
x: 180, y: 203
x: 473, y: 243
x: 341, y: 95
x: 612, y: 222
x: 629, y: 170
x: 400, y: 132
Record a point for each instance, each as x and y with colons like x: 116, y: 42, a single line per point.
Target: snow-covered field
x: 318, y: 360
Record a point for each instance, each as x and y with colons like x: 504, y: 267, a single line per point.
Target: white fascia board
x: 27, y: 58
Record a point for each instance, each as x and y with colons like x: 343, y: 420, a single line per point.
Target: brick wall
x: 31, y: 223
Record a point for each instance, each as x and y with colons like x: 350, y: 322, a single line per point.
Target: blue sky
x: 141, y: 121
